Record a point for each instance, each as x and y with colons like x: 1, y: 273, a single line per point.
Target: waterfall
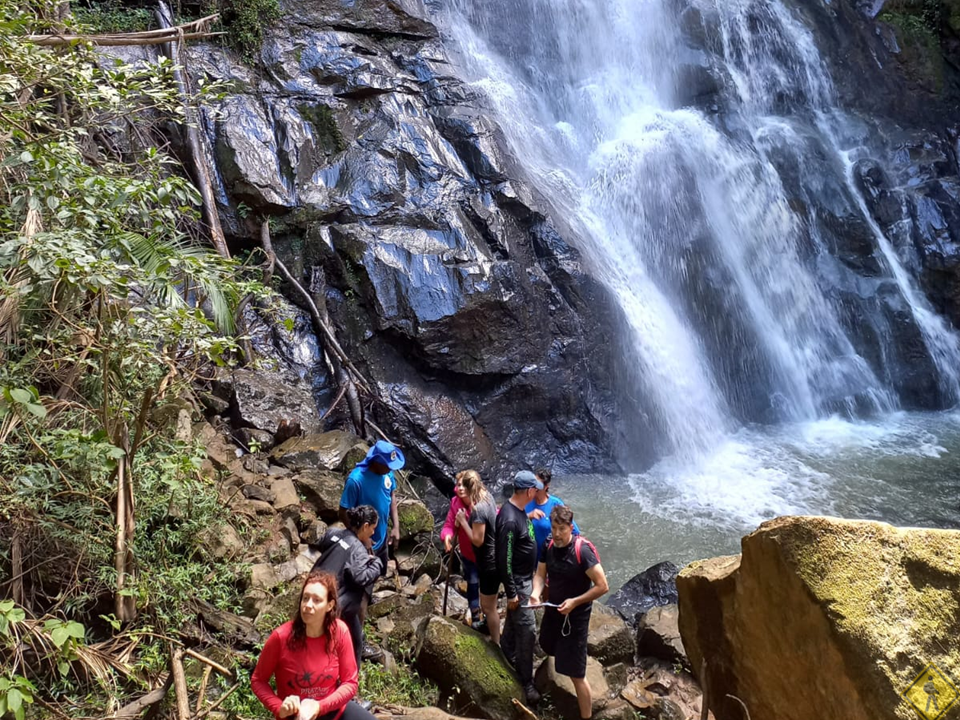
x: 679, y: 205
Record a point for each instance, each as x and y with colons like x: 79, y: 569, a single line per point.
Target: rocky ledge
x: 822, y: 617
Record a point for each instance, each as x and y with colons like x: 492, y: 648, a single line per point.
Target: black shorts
x: 567, y: 645
x: 489, y: 581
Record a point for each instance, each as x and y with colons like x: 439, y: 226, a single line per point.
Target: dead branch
x: 187, y: 31
x: 742, y: 704
x: 194, y: 139
x: 135, y: 708
x: 208, y: 662
x: 202, y: 692
x: 100, y: 41
x: 180, y: 684
x: 220, y: 700
x: 527, y: 712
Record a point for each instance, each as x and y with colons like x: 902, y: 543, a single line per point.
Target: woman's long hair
x: 298, y: 638
x: 470, y: 479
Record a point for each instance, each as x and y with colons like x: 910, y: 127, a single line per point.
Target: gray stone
x: 255, y: 492
x: 223, y: 542
x: 657, y: 585
x: 255, y: 440
x: 285, y: 494
x: 321, y: 491
x: 610, y: 639
x: 658, y: 634
x: 323, y: 451
x: 288, y: 570
x: 268, y: 400
x: 563, y: 696
x: 290, y: 532
x: 314, y: 532
x: 263, y: 577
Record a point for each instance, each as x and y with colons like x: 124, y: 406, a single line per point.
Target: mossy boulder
x: 468, y: 667
x: 415, y: 518
x: 822, y: 617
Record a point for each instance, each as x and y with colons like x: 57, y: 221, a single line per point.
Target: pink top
x: 463, y: 537
x: 326, y: 672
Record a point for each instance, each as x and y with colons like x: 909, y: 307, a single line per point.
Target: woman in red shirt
x: 311, y: 660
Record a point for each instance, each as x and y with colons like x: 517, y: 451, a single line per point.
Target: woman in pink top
x: 461, y: 501
x: 311, y: 660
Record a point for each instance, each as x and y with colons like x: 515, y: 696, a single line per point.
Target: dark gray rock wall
x: 391, y: 197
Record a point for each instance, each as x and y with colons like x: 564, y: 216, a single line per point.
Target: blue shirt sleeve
x: 351, y: 493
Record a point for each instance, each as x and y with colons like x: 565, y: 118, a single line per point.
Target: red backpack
x: 578, y: 542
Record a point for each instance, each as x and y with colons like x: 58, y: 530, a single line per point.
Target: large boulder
x: 266, y: 400
x: 462, y: 662
x: 654, y: 586
x: 560, y: 688
x: 610, y: 640
x: 869, y: 604
x: 320, y: 451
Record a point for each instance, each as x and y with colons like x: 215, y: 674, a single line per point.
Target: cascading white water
x: 683, y: 214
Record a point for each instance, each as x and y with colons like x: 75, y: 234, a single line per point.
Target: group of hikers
x: 530, y: 546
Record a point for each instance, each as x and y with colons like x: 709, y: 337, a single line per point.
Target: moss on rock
x: 860, y: 608
x: 414, y: 518
x: 472, y: 669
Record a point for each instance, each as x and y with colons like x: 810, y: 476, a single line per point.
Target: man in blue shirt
x: 539, y: 509
x: 371, y: 482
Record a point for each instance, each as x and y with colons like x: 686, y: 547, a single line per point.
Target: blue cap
x: 386, y: 453
x: 525, y: 480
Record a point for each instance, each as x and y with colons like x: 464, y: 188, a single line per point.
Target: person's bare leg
x: 488, y: 603
x: 584, y: 697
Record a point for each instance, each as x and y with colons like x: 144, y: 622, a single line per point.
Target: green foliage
x: 403, y: 687
x: 15, y: 692
x: 111, y: 304
x: 244, y: 20
x: 113, y: 17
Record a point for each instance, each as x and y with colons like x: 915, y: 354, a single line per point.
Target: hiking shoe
x: 365, y: 704
x: 371, y: 652
x: 531, y: 694
x: 481, y: 626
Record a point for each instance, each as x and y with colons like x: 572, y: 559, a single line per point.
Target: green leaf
x: 64, y: 667
x: 16, y: 615
x: 3, y: 702
x: 6, y: 606
x: 18, y: 714
x: 115, y: 453
x: 76, y: 630
x: 35, y: 409
x: 26, y: 157
x: 14, y: 700
x: 21, y: 396
x: 59, y: 636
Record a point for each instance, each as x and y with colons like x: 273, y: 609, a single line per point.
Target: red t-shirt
x: 326, y: 672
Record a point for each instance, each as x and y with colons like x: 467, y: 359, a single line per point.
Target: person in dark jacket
x: 347, y: 554
x: 516, y: 561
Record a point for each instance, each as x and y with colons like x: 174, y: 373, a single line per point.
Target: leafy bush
x: 111, y: 305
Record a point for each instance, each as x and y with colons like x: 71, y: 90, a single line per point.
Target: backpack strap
x: 578, y: 543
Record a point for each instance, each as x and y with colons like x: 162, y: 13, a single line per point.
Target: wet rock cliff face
x: 390, y: 198
x: 459, y: 292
